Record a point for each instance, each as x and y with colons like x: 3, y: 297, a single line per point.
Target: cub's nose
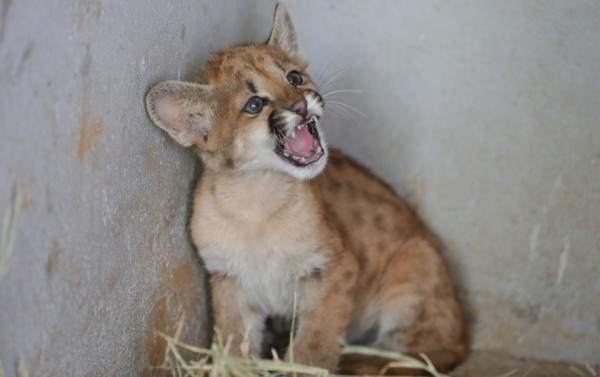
x: 299, y: 107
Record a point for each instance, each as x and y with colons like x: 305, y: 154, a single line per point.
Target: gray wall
x: 484, y: 114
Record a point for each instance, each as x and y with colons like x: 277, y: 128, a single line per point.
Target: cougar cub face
x: 269, y: 111
x: 256, y: 109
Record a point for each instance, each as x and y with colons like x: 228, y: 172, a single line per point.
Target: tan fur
x: 360, y: 263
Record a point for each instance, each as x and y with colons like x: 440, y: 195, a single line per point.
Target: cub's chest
x: 262, y: 246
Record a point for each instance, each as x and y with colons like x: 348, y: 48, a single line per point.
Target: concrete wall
x: 485, y: 115
x: 103, y: 258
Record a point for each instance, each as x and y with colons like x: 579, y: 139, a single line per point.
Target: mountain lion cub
x: 279, y: 218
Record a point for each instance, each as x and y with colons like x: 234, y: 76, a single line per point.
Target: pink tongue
x: 301, y: 144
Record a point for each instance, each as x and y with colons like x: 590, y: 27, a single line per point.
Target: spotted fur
x: 361, y: 265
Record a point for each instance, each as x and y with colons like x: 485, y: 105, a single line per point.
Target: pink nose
x: 299, y: 107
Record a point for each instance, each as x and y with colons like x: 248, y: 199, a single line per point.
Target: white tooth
x: 298, y: 127
x: 294, y: 133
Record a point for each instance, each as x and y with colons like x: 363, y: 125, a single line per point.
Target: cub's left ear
x: 182, y: 109
x: 283, y: 35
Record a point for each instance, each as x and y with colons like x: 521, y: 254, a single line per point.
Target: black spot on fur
x: 196, y: 123
x: 277, y: 125
x: 251, y: 87
x: 379, y: 222
x: 357, y: 216
x: 352, y: 190
x: 280, y: 66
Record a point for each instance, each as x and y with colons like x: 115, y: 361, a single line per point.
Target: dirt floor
x: 491, y: 364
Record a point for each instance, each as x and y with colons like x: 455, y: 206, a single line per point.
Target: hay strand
x: 217, y: 361
x: 10, y: 227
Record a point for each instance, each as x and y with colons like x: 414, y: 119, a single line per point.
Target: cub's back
x: 372, y: 219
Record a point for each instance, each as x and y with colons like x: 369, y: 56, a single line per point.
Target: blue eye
x: 294, y: 78
x: 254, y: 105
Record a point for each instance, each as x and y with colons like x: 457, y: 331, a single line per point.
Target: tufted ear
x: 283, y: 35
x: 182, y: 109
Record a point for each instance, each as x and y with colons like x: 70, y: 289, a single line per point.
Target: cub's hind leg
x: 416, y: 312
x: 419, y: 311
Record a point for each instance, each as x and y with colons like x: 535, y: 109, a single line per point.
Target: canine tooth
x: 294, y: 133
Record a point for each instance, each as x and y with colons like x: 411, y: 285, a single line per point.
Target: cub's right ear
x: 182, y: 109
x: 283, y: 35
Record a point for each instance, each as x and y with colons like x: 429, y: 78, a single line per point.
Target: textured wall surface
x: 103, y: 258
x: 485, y: 115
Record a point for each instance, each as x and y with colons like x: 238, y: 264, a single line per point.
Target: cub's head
x: 254, y: 109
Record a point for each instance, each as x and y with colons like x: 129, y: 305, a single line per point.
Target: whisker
x: 341, y: 69
x: 335, y: 76
x: 342, y: 112
x: 335, y: 97
x: 336, y: 108
x: 345, y: 118
x: 344, y: 91
x: 323, y: 68
x: 349, y: 107
x: 326, y: 66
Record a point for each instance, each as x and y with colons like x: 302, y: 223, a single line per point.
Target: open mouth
x: 302, y: 146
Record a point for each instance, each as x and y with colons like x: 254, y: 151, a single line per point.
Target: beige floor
x: 491, y: 364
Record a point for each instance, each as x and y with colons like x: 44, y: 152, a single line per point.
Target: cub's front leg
x: 234, y: 318
x: 323, y: 314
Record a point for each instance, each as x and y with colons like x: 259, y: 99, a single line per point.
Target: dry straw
x: 9, y: 228
x: 7, y: 242
x: 218, y: 361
